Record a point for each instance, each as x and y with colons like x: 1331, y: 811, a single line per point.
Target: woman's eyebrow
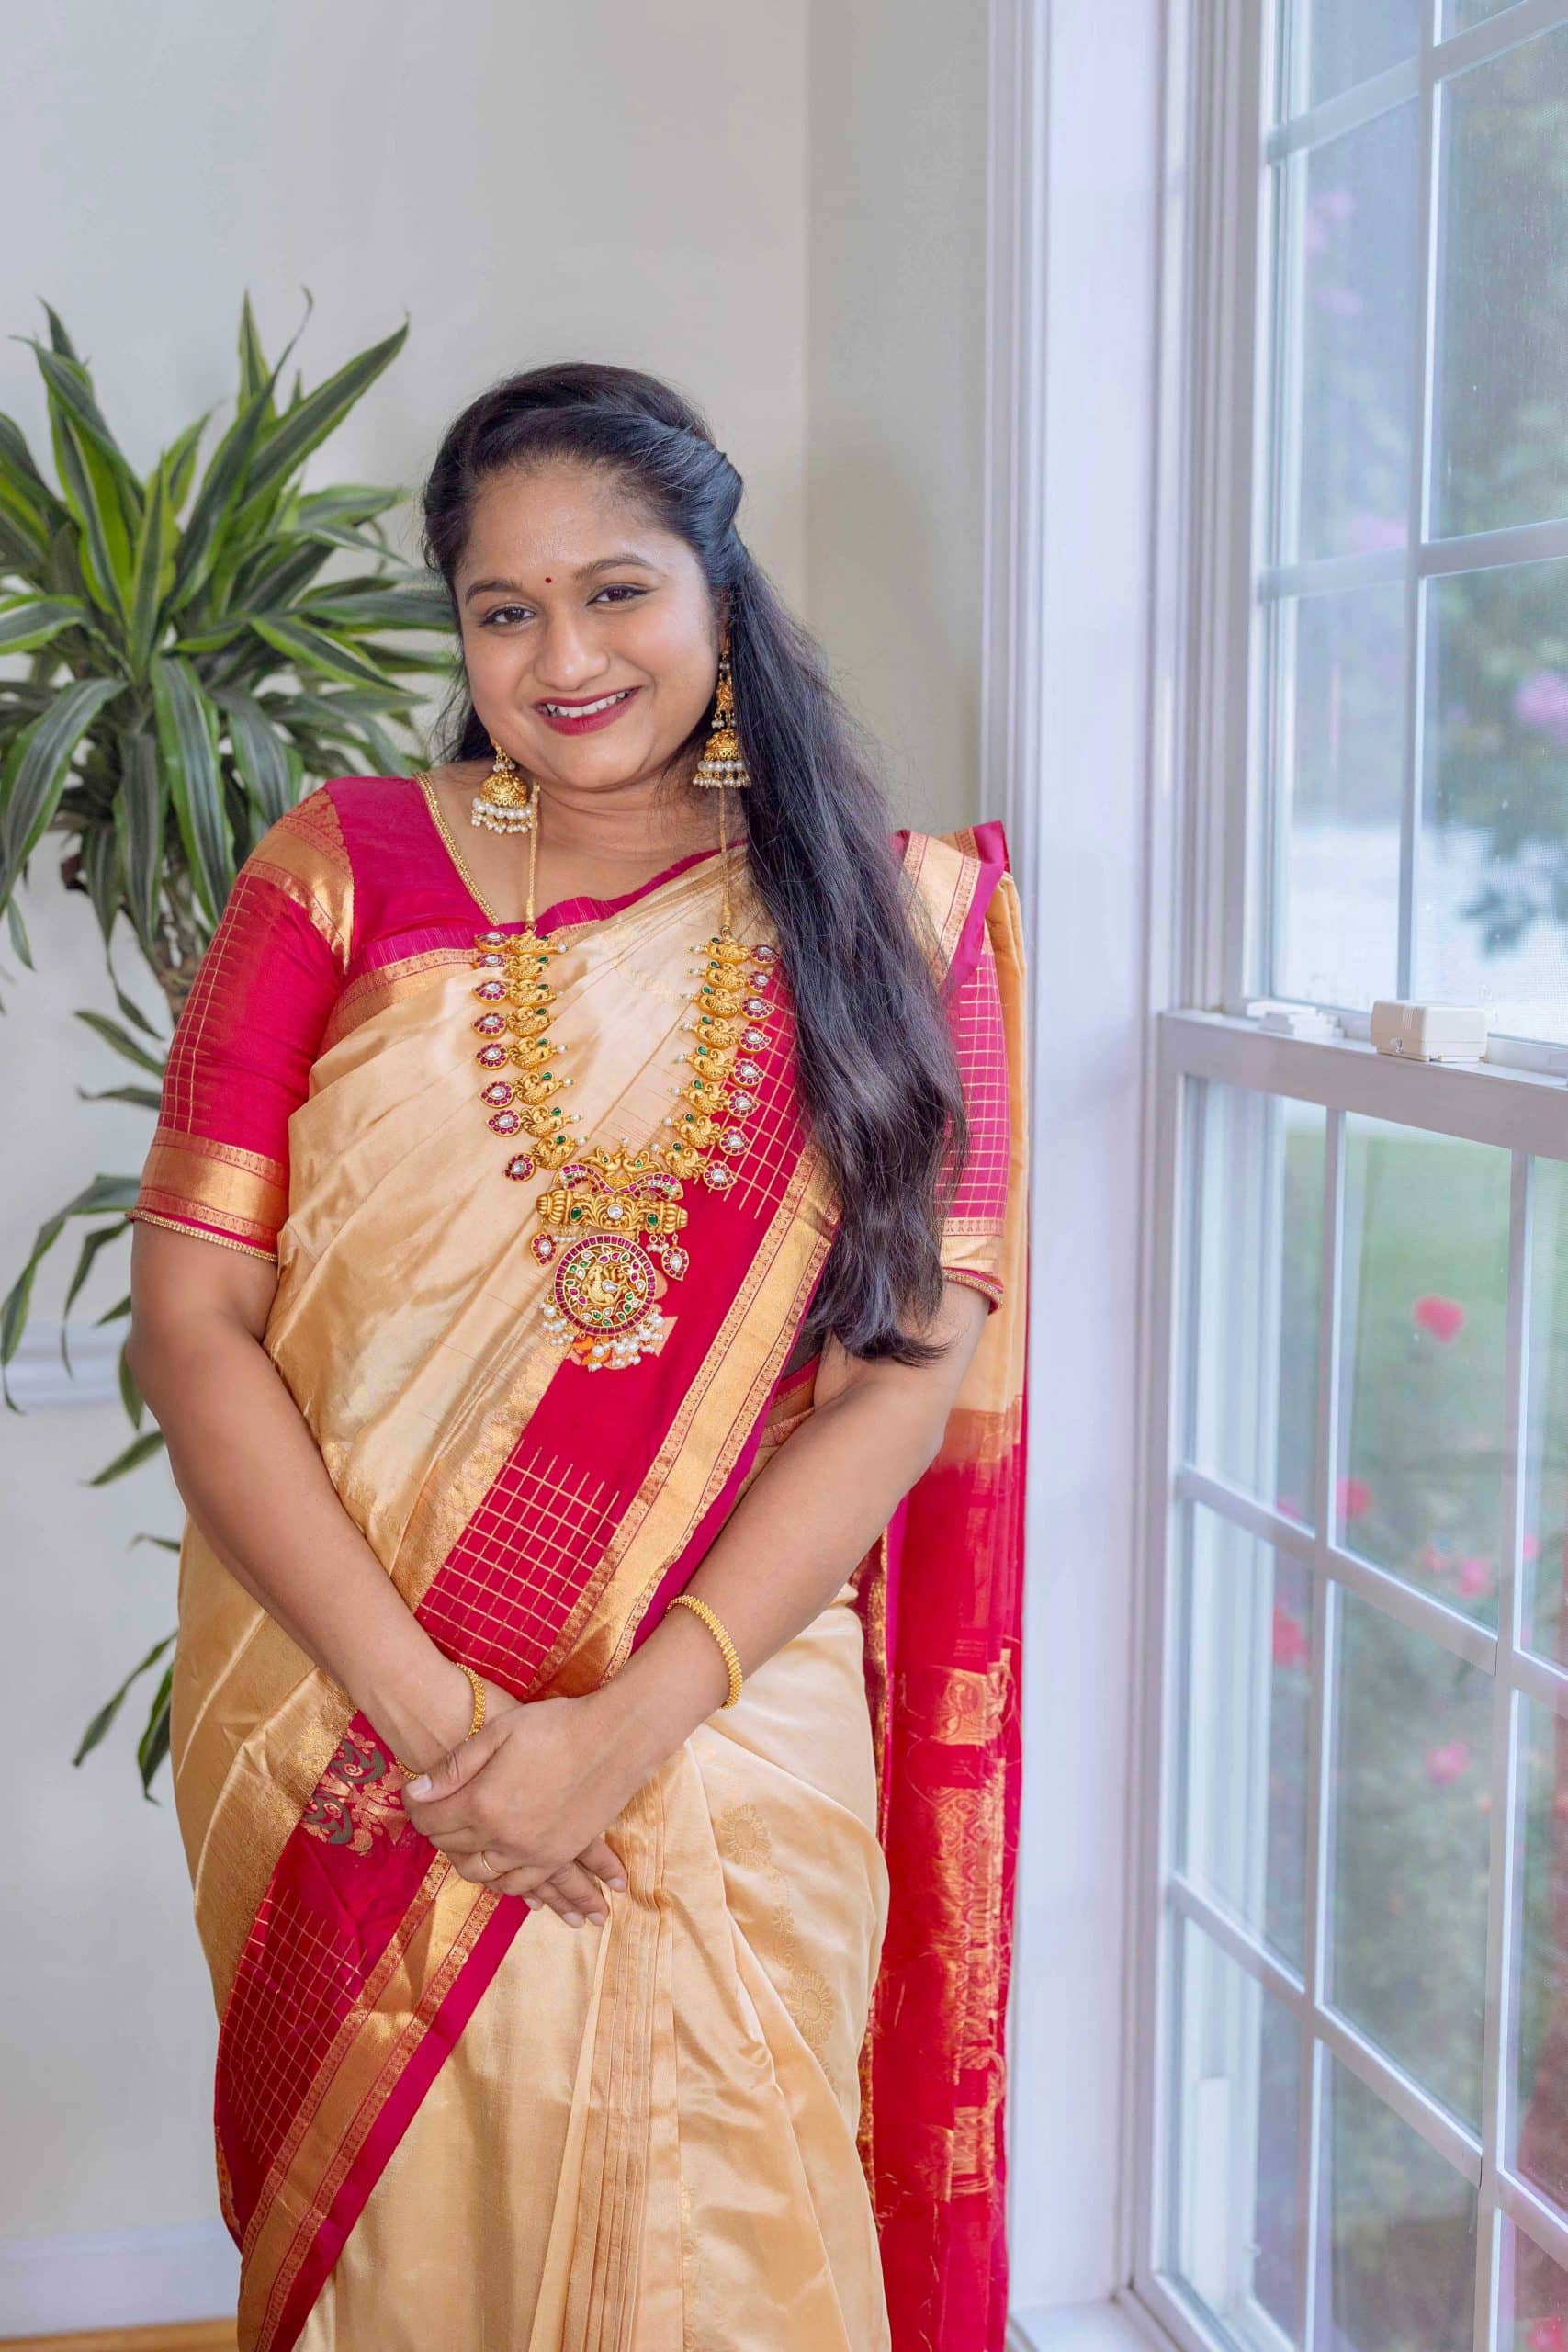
x: 583, y: 572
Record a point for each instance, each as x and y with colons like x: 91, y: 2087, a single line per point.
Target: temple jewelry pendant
x: 610, y: 1223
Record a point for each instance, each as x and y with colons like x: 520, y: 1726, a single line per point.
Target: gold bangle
x: 710, y: 1619
x: 476, y: 1686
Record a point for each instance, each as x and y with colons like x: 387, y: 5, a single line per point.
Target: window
x: 1354, y: 2127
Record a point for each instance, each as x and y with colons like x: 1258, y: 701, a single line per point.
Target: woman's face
x: 565, y: 592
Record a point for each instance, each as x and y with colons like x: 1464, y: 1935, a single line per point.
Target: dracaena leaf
x: 222, y: 488
x: 267, y: 762
x: 28, y: 622
x: 39, y: 765
x: 140, y: 1450
x: 103, y: 1722
x: 151, y: 570
x: 255, y: 374
x: 315, y: 415
x: 393, y: 606
x: 154, y: 1745
x: 139, y: 810
x: 314, y: 649
x: 188, y: 743
x: 121, y: 1040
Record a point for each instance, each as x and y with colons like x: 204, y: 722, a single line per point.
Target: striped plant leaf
x: 100, y: 872
x: 312, y: 649
x: 222, y: 486
x: 153, y: 571
x: 269, y: 764
x: 39, y: 763
x: 103, y: 1722
x: 139, y: 813
x: 188, y: 743
x: 28, y: 622
x: 396, y: 604
x: 121, y: 1040
x: 314, y: 416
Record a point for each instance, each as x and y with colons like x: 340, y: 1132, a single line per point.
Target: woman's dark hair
x: 877, y: 1071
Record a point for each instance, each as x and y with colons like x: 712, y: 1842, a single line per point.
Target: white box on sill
x: 1430, y: 1032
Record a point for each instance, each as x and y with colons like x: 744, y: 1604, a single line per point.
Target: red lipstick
x: 558, y: 712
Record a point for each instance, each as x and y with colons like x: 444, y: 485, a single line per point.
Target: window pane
x: 1401, y: 2272
x: 1460, y: 15
x: 1534, y: 2315
x: 1408, y: 1889
x: 1260, y: 1247
x: 1232, y: 2220
x: 1539, y: 2137
x: 1492, y: 900
x: 1502, y: 417
x: 1341, y: 42
x: 1340, y: 697
x: 1423, y: 1323
x: 1247, y: 1666
x: 1347, y: 327
x: 1546, y: 1458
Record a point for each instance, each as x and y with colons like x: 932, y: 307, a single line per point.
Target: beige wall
x: 781, y: 208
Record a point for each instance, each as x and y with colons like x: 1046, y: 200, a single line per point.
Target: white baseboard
x: 117, y: 2278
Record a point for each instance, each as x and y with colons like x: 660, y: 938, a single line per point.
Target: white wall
x: 779, y: 208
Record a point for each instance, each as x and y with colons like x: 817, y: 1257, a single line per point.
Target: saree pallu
x: 765, y: 2105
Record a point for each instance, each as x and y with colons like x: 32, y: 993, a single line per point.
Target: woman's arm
x: 560, y: 1770
x: 251, y: 1476
x: 797, y: 1532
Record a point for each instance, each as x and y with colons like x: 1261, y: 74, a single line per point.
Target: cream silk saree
x: 763, y: 2107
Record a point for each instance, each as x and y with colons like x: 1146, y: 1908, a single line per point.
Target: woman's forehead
x: 560, y: 516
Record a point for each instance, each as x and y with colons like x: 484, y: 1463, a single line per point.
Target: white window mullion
x: 1501, y: 1906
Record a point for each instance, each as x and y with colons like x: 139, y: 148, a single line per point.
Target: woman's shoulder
x: 343, y: 826
x: 949, y: 871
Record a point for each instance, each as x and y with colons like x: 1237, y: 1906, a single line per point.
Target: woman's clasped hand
x: 522, y: 1805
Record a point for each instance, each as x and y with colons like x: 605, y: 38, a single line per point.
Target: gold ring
x: 485, y: 1866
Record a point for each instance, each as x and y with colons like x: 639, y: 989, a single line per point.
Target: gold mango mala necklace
x: 613, y: 1215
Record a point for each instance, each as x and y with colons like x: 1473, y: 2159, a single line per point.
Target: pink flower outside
x: 1450, y: 1762
x: 1290, y: 1640
x: 1443, y: 1318
x: 1548, y: 2335
x: 1474, y: 1577
x: 1355, y: 1499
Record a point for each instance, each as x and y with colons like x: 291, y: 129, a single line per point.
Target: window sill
x: 1489, y: 1102
x: 1085, y: 2327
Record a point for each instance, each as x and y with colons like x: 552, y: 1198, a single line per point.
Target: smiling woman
x: 595, y: 1969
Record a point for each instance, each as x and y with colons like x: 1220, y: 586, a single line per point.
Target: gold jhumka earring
x: 721, y: 762
x: 504, y: 801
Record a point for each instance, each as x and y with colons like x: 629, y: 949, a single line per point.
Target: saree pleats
x: 652, y: 2133
x: 763, y: 2106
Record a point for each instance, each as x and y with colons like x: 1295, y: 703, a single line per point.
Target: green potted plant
x: 196, y: 646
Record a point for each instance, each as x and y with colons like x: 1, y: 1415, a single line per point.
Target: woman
x: 607, y: 1220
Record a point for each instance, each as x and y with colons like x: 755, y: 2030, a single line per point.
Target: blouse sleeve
x: 972, y: 1231
x: 241, y: 1055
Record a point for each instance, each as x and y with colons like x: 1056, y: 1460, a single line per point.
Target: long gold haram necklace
x: 613, y: 1215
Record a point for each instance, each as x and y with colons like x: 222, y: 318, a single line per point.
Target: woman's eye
x: 506, y: 614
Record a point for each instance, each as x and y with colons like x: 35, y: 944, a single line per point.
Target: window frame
x: 1213, y: 515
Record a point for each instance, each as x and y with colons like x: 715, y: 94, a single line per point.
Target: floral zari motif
x: 358, y: 1798
x: 609, y: 1225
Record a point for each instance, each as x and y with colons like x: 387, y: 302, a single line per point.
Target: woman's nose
x: 568, y: 654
